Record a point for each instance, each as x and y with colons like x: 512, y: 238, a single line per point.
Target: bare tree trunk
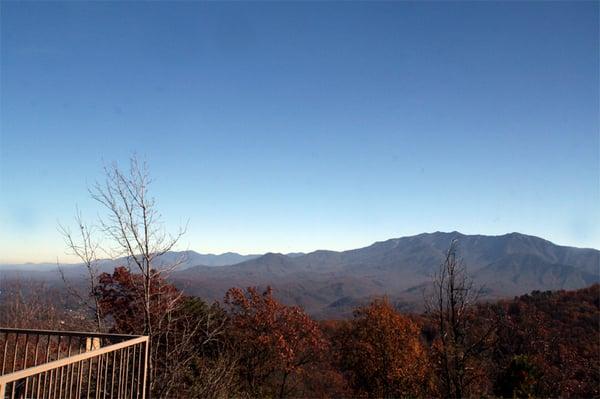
x: 282, y: 386
x: 457, y: 344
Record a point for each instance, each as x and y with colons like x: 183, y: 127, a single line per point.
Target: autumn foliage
x: 121, y: 299
x: 276, y: 343
x: 545, y: 344
x: 381, y: 353
x: 181, y: 329
x: 553, y: 340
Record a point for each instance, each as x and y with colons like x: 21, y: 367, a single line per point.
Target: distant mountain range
x: 330, y: 283
x: 187, y: 259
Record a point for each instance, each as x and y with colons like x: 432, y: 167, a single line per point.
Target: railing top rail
x: 17, y: 375
x: 66, y: 333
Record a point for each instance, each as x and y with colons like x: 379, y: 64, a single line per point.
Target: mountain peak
x: 273, y: 255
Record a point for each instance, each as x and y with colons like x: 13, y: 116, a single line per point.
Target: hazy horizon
x: 291, y: 127
x: 74, y: 261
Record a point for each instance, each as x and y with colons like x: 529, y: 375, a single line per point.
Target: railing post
x: 2, y: 390
x: 92, y: 343
x: 146, y: 345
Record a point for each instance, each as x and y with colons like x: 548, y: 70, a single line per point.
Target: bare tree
x: 136, y: 231
x: 133, y: 232
x: 216, y: 379
x: 461, y: 337
x: 134, y: 225
x: 85, y: 247
x: 181, y: 347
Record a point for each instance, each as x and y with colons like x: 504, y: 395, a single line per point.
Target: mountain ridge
x: 330, y: 283
x: 507, y: 265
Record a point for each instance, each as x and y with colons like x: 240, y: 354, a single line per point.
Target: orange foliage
x: 382, y: 354
x: 276, y: 343
x: 558, y: 332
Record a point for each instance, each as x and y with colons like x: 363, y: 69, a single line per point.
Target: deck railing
x: 67, y: 364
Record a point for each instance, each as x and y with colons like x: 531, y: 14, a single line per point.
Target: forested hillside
x: 327, y: 284
x: 541, y: 344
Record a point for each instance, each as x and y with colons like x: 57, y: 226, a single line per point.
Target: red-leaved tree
x: 276, y: 343
x: 381, y: 353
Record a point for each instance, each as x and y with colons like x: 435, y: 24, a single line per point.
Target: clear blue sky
x: 297, y: 126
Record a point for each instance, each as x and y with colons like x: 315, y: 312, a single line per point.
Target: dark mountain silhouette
x: 330, y: 284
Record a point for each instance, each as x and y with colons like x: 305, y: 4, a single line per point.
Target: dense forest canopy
x: 544, y: 344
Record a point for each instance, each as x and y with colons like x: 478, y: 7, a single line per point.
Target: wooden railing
x: 68, y: 364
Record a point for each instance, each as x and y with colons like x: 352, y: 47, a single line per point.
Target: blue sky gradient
x: 298, y: 126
